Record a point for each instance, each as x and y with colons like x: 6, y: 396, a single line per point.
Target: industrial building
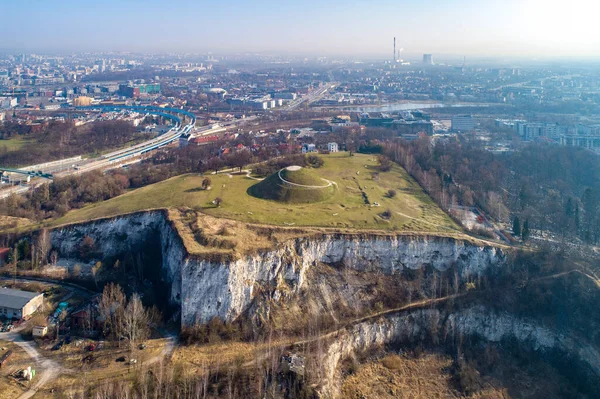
x: 82, y: 101
x: 408, y: 124
x: 216, y: 93
x: 8, y: 102
x: 132, y: 91
x: 17, y: 304
x: 284, y: 95
x: 531, y: 131
x: 586, y: 141
x: 463, y: 123
x: 257, y: 103
x: 404, y: 127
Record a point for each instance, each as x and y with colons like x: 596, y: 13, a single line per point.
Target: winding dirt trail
x: 47, y: 369
x: 329, y: 183
x: 411, y: 306
x: 171, y: 340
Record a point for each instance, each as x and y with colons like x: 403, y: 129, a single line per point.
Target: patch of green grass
x: 357, y: 182
x: 13, y: 144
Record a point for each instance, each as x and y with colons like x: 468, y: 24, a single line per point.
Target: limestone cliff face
x: 226, y: 289
x: 113, y: 236
x: 206, y: 289
x: 419, y: 325
x: 116, y: 236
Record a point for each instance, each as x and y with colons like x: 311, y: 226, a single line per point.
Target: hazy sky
x: 483, y: 27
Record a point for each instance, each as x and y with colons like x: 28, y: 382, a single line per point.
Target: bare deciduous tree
x: 43, y: 246
x: 54, y: 258
x: 135, y: 321
x: 111, y: 308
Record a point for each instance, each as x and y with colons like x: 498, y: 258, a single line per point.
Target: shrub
x: 391, y: 193
x: 86, y: 247
x: 314, y: 161
x: 385, y: 164
x: 392, y: 362
x: 387, y: 214
x: 466, y: 378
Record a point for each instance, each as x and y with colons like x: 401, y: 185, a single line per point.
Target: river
x: 409, y: 106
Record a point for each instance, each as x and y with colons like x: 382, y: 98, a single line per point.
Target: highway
x: 115, y: 159
x: 74, y: 166
x: 311, y: 97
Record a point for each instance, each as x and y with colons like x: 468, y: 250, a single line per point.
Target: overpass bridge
x: 30, y: 173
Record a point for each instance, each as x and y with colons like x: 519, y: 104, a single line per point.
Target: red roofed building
x: 204, y: 140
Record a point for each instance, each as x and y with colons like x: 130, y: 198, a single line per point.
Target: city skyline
x: 530, y: 28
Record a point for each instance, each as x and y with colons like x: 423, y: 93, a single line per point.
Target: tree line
x: 548, y: 187
x: 124, y: 318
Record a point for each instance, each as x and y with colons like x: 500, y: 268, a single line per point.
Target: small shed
x: 4, y: 358
x: 39, y: 331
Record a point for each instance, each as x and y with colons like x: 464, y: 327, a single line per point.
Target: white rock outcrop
x: 417, y: 326
x: 226, y: 289
x: 206, y: 289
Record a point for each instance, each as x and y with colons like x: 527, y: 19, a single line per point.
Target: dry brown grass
x: 70, y: 356
x: 433, y: 375
x: 48, y: 271
x: 104, y: 368
x: 11, y: 222
x: 221, y: 239
x: 397, y: 376
x: 9, y: 387
x: 196, y: 358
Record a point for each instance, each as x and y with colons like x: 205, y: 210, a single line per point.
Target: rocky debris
x: 292, y: 363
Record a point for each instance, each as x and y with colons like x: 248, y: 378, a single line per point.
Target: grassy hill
x: 294, y: 185
x: 357, y: 202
